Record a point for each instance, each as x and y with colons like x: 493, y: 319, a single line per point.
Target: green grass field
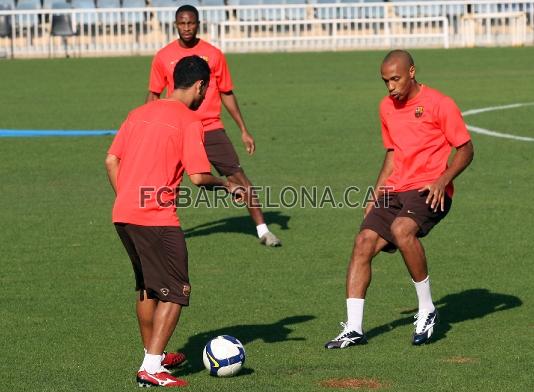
x: 67, y: 311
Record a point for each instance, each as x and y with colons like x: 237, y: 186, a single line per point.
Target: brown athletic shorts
x: 159, y: 260
x: 411, y: 204
x: 221, y: 153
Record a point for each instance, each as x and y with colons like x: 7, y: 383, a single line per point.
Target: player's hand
x: 249, y: 143
x: 237, y: 191
x: 436, y: 195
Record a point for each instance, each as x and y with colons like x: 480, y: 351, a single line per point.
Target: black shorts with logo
x: 411, y: 204
x: 221, y: 152
x: 159, y: 260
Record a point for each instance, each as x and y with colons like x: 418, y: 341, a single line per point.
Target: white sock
x: 423, y: 295
x: 151, y: 363
x: 355, y: 314
x: 262, y: 229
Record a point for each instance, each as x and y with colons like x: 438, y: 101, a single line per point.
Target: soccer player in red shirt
x: 145, y: 163
x: 221, y: 152
x: 420, y: 126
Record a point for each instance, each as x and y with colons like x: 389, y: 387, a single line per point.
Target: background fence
x: 91, y: 29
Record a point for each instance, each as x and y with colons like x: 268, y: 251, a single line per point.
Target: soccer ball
x: 224, y: 356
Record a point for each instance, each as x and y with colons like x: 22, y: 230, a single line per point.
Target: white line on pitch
x: 489, y: 132
x: 494, y: 108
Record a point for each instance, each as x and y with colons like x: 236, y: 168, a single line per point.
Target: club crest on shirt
x: 419, y: 111
x: 186, y: 290
x: 205, y: 58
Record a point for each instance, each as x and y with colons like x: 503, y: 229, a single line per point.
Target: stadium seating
x: 273, y: 13
x: 326, y: 13
x: 348, y: 12
x: 112, y: 19
x: 212, y: 3
x: 108, y: 3
x: 194, y: 3
x: 405, y: 11
x: 430, y: 10
x: 165, y: 17
x: 7, y: 4
x: 62, y: 25
x: 86, y: 19
x: 28, y: 21
x: 5, y: 22
x: 134, y: 17
x: 454, y: 10
x: 485, y: 8
x: 296, y: 13
x: 213, y: 16
x: 247, y: 14
x: 6, y: 28
x: 373, y: 12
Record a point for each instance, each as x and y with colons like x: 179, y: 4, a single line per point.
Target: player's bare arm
x: 152, y: 96
x: 112, y: 166
x: 436, y: 191
x: 207, y: 179
x: 229, y: 101
x: 385, y: 172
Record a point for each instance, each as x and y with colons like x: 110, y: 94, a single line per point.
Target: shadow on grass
x: 456, y: 308
x: 269, y: 333
x: 238, y: 224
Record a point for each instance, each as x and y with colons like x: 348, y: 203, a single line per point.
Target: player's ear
x: 203, y: 86
x: 412, y: 71
x: 200, y: 86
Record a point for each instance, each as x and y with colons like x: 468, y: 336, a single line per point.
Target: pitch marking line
x: 488, y: 132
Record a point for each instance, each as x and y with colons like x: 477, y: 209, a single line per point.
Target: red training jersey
x: 161, y: 77
x: 421, y: 132
x: 156, y: 143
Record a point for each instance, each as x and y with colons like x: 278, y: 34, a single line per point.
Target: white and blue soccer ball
x: 224, y: 356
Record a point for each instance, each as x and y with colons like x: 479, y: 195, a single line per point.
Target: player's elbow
x: 197, y: 179
x: 111, y: 161
x: 469, y: 151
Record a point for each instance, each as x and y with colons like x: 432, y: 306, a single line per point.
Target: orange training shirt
x: 161, y: 76
x: 421, y: 132
x: 156, y: 143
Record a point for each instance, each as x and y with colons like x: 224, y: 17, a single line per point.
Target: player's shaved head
x: 403, y: 56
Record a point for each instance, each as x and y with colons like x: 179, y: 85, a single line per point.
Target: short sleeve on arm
x: 117, y: 146
x: 452, y: 124
x: 194, y: 155
x: 222, y: 75
x: 157, y: 80
x: 386, y: 139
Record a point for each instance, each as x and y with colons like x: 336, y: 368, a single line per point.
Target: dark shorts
x: 159, y: 260
x: 221, y: 153
x: 410, y: 204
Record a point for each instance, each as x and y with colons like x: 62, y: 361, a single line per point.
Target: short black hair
x: 189, y: 70
x: 399, y: 53
x: 186, y: 8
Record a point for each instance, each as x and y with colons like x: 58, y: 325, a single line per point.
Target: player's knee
x: 365, y: 243
x: 402, y: 232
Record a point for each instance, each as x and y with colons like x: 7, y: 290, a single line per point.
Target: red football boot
x: 162, y: 378
x: 172, y: 360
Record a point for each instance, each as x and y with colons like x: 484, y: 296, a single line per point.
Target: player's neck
x: 188, y: 45
x: 416, y: 88
x: 181, y: 95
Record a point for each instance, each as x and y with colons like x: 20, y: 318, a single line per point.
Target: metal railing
x: 310, y: 26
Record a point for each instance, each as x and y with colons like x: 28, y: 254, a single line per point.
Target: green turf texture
x: 67, y: 314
